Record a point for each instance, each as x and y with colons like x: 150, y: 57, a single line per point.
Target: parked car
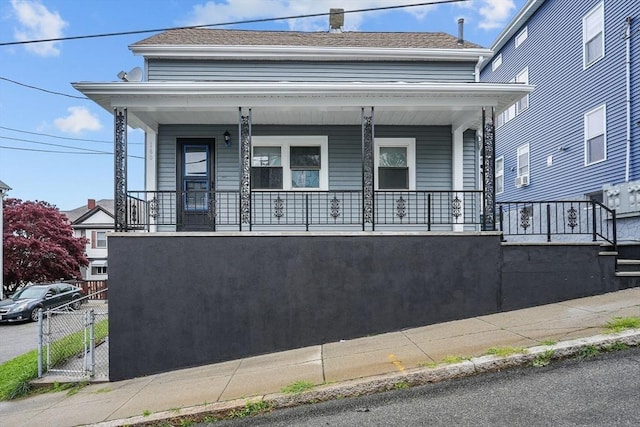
x: 24, y: 304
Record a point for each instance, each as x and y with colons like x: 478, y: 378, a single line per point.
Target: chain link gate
x: 74, y: 343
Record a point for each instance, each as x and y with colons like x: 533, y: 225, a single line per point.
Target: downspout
x: 627, y: 37
x: 480, y: 61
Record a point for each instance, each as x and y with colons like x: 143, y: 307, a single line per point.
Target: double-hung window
x: 595, y: 135
x: 523, y: 166
x: 395, y: 161
x: 101, y: 239
x: 496, y: 62
x: 523, y: 103
x: 98, y: 239
x: 500, y: 175
x: 523, y: 78
x: 289, y: 163
x: 593, y: 35
x: 522, y: 36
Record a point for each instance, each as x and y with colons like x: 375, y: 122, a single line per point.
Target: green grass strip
x: 15, y: 374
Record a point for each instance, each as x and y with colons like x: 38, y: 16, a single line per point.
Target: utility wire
x: 60, y: 152
x: 54, y: 145
x: 64, y: 137
x: 249, y: 21
x: 43, y: 90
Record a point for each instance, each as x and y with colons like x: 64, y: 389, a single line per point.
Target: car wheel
x: 34, y: 314
x: 75, y: 305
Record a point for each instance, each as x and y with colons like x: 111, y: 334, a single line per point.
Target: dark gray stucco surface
x: 542, y: 274
x: 180, y: 300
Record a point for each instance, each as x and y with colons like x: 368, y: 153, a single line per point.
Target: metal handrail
x: 212, y: 209
x: 558, y: 218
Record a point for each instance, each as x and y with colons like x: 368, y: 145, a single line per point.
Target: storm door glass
x: 195, y: 177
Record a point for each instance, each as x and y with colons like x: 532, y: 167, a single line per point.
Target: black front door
x: 195, y: 184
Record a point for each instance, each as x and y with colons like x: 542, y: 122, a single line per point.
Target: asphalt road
x: 17, y: 339
x: 599, y: 391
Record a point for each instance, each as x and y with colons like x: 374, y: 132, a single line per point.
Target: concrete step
x: 627, y: 273
x: 630, y: 267
x: 628, y: 262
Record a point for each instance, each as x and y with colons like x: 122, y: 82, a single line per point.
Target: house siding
x: 308, y: 71
x: 433, y: 153
x: 553, y: 53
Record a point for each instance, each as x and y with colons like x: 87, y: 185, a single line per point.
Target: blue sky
x: 35, y: 158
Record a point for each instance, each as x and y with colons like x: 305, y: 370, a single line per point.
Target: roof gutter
x: 293, y: 88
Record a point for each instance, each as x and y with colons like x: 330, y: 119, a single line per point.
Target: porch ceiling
x: 150, y: 104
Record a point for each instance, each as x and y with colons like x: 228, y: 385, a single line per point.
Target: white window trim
x: 599, y: 8
x: 496, y: 62
x: 285, y: 143
x: 519, y: 151
x: 99, y: 240
x: 522, y: 36
x: 515, y: 109
x: 523, y: 78
x: 500, y: 174
x: 602, y: 107
x: 410, y: 144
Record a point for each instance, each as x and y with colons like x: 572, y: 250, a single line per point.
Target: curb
x: 386, y: 382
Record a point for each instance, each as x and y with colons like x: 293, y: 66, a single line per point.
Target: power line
x: 60, y: 152
x: 43, y: 90
x: 53, y: 145
x: 249, y: 21
x: 64, y: 137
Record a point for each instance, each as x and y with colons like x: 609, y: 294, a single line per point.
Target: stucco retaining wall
x: 185, y: 299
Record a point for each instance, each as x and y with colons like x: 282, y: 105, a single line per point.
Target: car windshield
x: 30, y: 292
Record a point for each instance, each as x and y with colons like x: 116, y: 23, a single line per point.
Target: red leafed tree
x: 38, y: 244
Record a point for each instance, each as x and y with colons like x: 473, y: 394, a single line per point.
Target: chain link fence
x: 74, y: 343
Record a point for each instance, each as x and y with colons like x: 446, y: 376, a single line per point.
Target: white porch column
x: 457, y: 157
x: 151, y: 170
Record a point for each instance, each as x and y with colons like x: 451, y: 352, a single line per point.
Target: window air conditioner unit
x: 522, y: 181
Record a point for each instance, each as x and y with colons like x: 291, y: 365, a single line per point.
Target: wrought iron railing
x: 559, y: 220
x: 217, y: 210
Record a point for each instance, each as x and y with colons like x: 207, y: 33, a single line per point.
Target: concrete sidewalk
x: 339, y: 368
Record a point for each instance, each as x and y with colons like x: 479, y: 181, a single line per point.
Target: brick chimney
x: 91, y: 203
x: 336, y: 20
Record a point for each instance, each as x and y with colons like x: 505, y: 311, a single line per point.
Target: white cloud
x: 78, y: 120
x: 213, y: 12
x: 37, y: 22
x: 495, y: 13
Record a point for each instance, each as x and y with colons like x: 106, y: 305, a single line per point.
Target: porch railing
x: 220, y: 210
x: 560, y: 220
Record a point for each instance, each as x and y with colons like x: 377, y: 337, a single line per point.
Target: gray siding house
x: 282, y: 130
x: 301, y: 188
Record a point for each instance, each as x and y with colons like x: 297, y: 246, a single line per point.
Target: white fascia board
x: 292, y: 88
x: 156, y: 96
x: 308, y: 53
x: 514, y: 27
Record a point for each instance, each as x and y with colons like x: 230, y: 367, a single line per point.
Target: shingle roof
x: 74, y: 214
x: 398, y: 40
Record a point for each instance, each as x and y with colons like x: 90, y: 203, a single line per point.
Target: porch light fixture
x: 227, y: 138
